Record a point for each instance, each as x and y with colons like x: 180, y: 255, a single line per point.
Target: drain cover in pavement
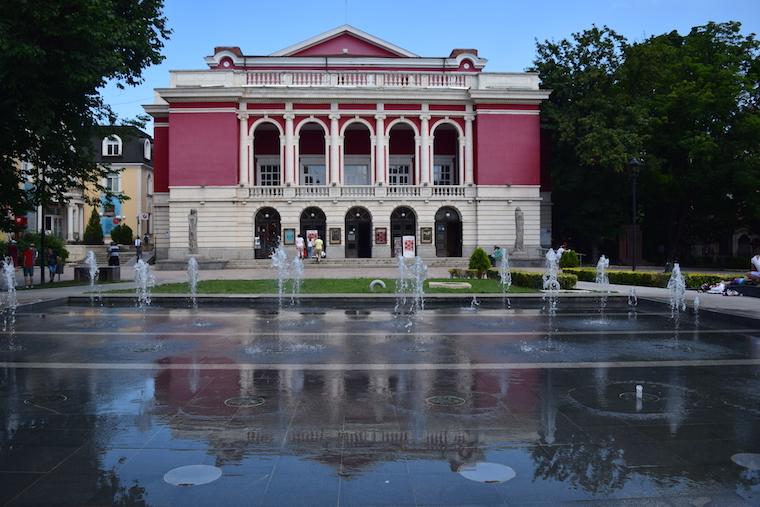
x: 45, y: 398
x: 192, y: 475
x: 446, y: 400
x: 748, y: 460
x: 244, y: 401
x: 488, y: 473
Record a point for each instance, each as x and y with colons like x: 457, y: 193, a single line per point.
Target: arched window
x: 112, y: 146
x: 146, y: 149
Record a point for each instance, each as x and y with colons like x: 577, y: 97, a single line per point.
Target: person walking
x: 113, y: 254
x: 310, y: 246
x: 52, y: 262
x: 318, y: 246
x: 29, y: 258
x: 138, y: 248
x: 299, y: 246
x: 13, y: 253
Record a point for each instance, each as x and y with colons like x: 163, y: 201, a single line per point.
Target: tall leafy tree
x: 701, y: 93
x: 55, y: 59
x: 593, y: 130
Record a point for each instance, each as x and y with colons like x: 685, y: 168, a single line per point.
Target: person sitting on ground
x: 754, y: 274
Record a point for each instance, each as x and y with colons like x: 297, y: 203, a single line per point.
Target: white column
x: 334, y: 149
x: 425, y: 149
x: 460, y: 161
x: 372, y: 159
x: 380, y: 146
x: 417, y: 156
x: 39, y: 218
x: 283, y: 158
x: 289, y: 148
x: 69, y: 222
x: 328, y: 162
x: 81, y: 222
x: 243, y: 155
x: 468, y: 158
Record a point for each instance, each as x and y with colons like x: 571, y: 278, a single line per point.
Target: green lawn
x: 322, y: 286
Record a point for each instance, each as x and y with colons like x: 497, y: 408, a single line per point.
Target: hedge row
x: 645, y: 279
x: 519, y: 278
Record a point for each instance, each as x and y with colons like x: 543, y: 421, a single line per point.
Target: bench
x: 105, y: 274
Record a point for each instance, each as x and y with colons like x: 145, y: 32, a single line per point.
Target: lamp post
x: 634, y: 165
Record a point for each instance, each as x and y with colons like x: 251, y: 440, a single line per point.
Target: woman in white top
x: 299, y: 246
x: 754, y: 274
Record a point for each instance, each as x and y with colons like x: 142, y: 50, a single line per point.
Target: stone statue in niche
x: 192, y: 232
x: 519, y: 230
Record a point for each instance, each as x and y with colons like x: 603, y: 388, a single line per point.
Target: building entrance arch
x: 403, y: 223
x: 448, y: 233
x: 267, y: 231
x: 313, y: 219
x: 358, y: 233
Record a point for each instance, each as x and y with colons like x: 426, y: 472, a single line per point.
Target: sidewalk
x: 732, y: 305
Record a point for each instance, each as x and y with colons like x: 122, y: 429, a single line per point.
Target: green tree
x: 93, y: 233
x: 122, y: 234
x: 55, y: 59
x: 592, y: 127
x: 479, y: 261
x: 700, y: 93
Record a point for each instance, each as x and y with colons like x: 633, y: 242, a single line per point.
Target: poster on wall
x: 409, y: 246
x: 289, y: 237
x: 381, y: 235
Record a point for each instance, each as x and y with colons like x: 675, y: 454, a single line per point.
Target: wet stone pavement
x: 225, y: 405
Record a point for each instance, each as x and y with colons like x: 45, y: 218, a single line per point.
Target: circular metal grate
x: 45, y: 398
x: 244, y: 401
x: 487, y: 473
x: 445, y: 400
x: 192, y: 475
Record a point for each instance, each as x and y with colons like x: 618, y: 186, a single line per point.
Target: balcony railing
x: 360, y: 79
x: 312, y: 191
x: 265, y: 192
x: 448, y: 191
x: 403, y: 191
x: 357, y: 191
x: 354, y: 192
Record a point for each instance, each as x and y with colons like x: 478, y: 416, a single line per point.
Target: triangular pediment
x: 345, y: 41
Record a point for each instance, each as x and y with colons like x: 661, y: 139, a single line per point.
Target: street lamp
x: 634, y: 165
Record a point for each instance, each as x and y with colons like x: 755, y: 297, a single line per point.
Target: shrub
x: 647, y: 279
x: 93, y: 233
x: 479, y: 262
x: 519, y: 278
x: 569, y: 259
x: 122, y: 234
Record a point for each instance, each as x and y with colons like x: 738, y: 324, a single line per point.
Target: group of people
x: 29, y: 258
x: 310, y: 248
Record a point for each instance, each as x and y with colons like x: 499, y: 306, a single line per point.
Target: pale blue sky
x: 503, y: 31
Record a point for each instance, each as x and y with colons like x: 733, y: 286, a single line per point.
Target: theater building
x: 372, y: 146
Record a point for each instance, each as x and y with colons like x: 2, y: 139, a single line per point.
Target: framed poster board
x: 289, y: 236
x: 381, y: 236
x: 335, y: 235
x: 426, y: 234
x: 409, y: 245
